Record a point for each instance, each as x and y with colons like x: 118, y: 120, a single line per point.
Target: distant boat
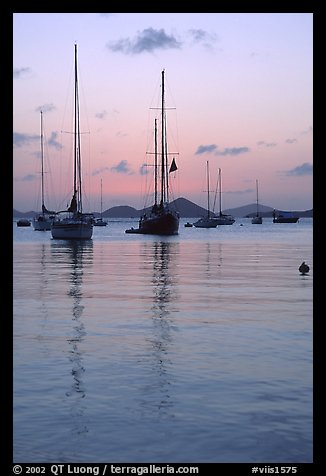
x: 284, y: 217
x: 73, y: 224
x: 23, y: 222
x: 99, y: 221
x: 188, y: 224
x: 222, y: 218
x: 257, y: 220
x: 162, y: 218
x: 43, y: 221
x: 208, y: 221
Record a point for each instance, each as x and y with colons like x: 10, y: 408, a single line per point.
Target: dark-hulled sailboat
x: 162, y: 218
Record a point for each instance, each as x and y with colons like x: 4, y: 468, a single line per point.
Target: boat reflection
x: 164, y: 285
x: 211, y: 257
x: 42, y: 286
x: 76, y: 256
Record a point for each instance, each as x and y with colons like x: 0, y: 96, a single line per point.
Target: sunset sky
x: 239, y: 85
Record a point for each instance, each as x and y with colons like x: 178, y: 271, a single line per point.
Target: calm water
x: 192, y: 348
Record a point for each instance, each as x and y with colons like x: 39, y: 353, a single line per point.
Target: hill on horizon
x: 185, y: 207
x: 251, y: 208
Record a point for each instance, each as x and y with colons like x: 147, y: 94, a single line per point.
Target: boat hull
x: 23, y: 222
x: 42, y: 223
x: 285, y: 220
x: 206, y: 223
x: 100, y: 222
x: 164, y: 224
x: 257, y: 220
x: 63, y: 230
x: 225, y: 220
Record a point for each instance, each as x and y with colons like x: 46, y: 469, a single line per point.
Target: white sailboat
x: 43, y: 221
x: 222, y: 218
x: 208, y: 221
x: 162, y: 218
x: 73, y: 224
x: 99, y: 221
x: 257, y: 220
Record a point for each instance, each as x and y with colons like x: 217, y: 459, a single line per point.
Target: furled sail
x: 45, y: 210
x: 73, y: 204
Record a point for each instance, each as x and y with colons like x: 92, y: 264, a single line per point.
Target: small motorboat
x: 23, y: 222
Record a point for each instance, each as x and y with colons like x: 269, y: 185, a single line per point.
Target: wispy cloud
x: 307, y: 131
x: 304, y: 169
x: 20, y: 140
x: 213, y: 148
x: 203, y: 38
x: 53, y: 141
x: 26, y: 178
x: 101, y: 170
x: 45, y: 108
x: 292, y: 140
x: 122, y: 168
x: 206, y: 149
x: 146, y: 41
x: 233, y: 151
x: 266, y: 144
x: 143, y: 170
x: 19, y: 73
x: 101, y: 115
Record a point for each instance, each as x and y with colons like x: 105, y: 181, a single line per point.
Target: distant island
x: 187, y: 209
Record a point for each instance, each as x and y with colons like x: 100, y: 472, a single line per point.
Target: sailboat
x: 161, y: 218
x: 257, y: 220
x: 284, y: 217
x: 43, y: 220
x: 72, y: 223
x: 99, y: 221
x: 208, y: 221
x: 222, y: 218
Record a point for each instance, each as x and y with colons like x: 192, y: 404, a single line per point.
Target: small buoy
x: 304, y: 268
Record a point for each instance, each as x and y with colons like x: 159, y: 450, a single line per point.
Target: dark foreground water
x: 193, y: 348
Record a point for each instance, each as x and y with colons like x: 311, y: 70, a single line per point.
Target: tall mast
x: 155, y: 162
x: 166, y: 178
x: 75, y: 126
x: 101, y: 199
x: 77, y: 159
x: 42, y: 169
x: 163, y: 143
x: 220, y: 190
x: 208, y: 212
x: 257, y: 198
